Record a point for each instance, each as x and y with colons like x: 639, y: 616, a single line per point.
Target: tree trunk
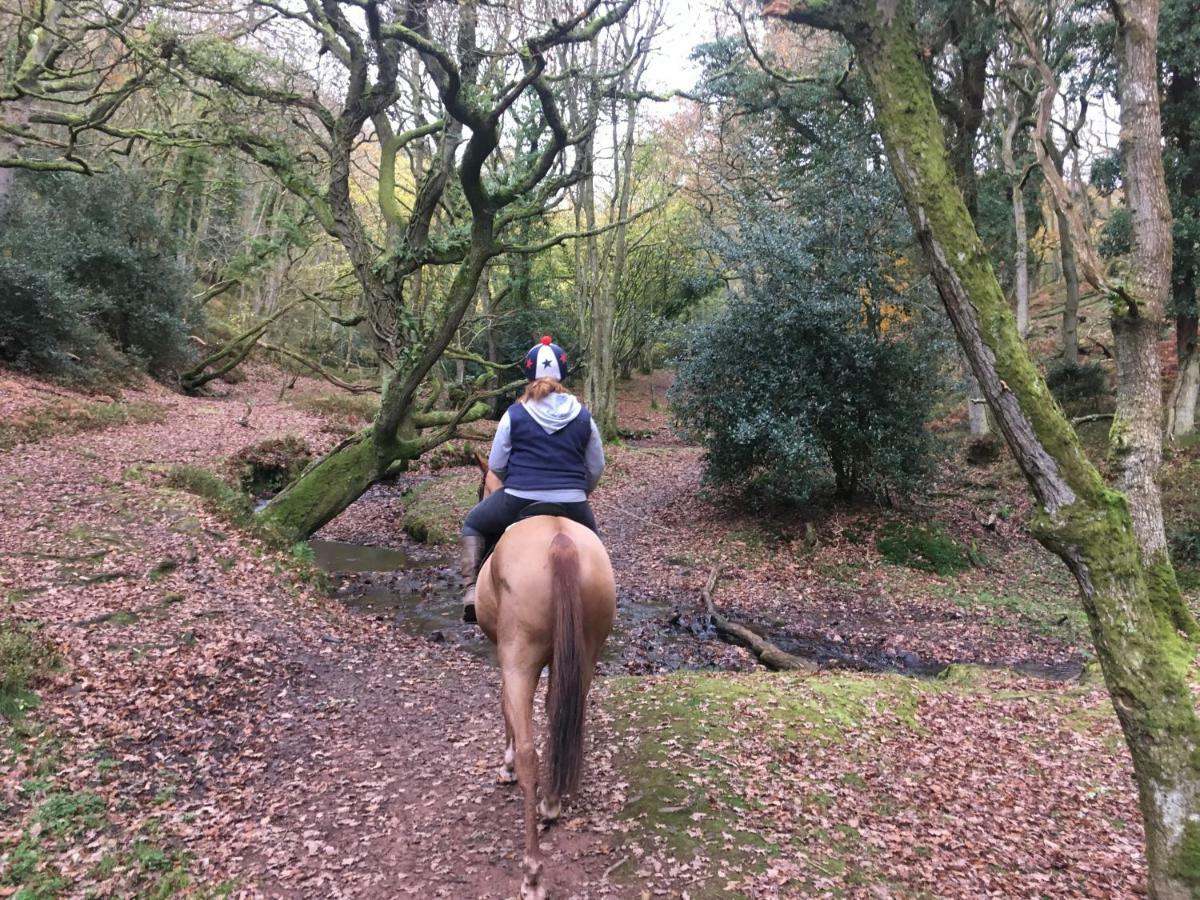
x: 1144, y: 635
x: 977, y: 410
x: 1070, y: 317
x: 325, y: 488
x: 1022, y: 259
x: 1181, y: 406
x: 602, y: 371
x: 1136, y: 325
x: 1020, y: 231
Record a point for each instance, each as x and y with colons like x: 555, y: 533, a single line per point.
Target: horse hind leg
x: 518, y: 704
x: 507, y: 773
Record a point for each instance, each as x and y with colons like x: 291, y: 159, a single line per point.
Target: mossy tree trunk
x: 340, y: 477
x: 1144, y: 636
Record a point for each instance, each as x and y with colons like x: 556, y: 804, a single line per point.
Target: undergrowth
x: 269, y: 466
x: 230, y: 503
x: 42, y: 422
x: 25, y: 660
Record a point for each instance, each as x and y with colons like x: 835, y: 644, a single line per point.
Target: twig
x: 1094, y: 417
x: 620, y: 862
x: 640, y: 518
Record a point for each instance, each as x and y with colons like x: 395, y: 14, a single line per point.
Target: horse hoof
x: 506, y: 775
x: 550, y: 811
x: 532, y: 887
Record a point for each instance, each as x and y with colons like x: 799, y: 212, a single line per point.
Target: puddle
x: 338, y: 556
x: 415, y: 589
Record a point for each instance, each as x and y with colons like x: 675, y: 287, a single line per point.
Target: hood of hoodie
x: 554, y: 411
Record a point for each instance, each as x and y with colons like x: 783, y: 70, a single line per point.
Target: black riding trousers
x: 492, y: 515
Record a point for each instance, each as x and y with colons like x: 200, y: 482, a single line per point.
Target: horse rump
x: 566, y: 699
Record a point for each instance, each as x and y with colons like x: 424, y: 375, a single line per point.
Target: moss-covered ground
x: 848, y: 784
x: 434, y: 510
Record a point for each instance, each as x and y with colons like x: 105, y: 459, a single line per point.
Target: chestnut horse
x: 545, y: 596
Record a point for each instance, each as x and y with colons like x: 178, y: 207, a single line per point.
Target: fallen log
x: 734, y: 633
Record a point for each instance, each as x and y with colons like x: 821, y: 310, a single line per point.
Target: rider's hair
x: 543, y: 387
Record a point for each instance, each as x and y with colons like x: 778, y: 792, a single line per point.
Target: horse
x: 545, y: 596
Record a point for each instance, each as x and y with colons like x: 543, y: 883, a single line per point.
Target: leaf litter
x: 216, y: 697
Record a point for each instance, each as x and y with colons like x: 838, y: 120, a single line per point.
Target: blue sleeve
x: 501, y: 447
x: 594, y: 459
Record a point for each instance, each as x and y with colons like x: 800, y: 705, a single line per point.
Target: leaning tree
x: 409, y: 102
x: 1110, y: 536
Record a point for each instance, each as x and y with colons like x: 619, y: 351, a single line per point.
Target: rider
x: 547, y: 449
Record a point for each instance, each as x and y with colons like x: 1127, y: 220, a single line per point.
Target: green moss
x: 925, y: 547
x: 1185, y: 861
x: 682, y: 756
x: 434, y: 511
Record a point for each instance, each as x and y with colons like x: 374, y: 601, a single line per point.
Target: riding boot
x: 470, y: 556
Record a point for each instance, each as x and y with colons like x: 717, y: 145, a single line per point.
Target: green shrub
x: 925, y: 547
x: 790, y: 397
x: 1070, y: 382
x: 89, y: 282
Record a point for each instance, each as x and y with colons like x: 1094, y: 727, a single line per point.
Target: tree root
x: 734, y: 633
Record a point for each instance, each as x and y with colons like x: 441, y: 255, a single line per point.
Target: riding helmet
x: 546, y: 360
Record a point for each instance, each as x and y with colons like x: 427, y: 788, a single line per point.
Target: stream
x: 416, y: 588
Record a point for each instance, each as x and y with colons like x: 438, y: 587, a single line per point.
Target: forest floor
x: 204, y: 714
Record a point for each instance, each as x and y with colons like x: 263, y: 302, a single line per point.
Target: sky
x: 688, y: 23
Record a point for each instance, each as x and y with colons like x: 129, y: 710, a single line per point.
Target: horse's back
x: 517, y: 596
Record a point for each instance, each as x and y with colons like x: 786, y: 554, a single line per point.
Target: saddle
x: 542, y: 508
x: 537, y: 508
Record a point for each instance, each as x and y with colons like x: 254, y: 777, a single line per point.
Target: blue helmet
x: 546, y: 360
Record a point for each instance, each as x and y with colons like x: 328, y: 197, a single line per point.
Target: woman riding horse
x: 546, y: 450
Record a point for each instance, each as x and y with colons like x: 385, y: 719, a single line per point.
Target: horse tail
x: 566, y: 700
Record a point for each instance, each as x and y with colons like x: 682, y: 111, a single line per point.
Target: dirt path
x: 270, y: 741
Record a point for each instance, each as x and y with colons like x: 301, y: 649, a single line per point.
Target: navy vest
x: 547, y: 462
